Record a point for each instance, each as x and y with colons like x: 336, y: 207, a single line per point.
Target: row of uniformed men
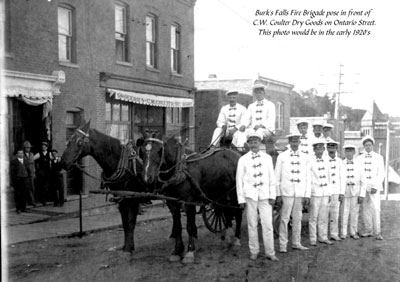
x: 323, y: 181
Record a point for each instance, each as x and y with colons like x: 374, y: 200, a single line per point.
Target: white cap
x: 253, y: 133
x: 368, y: 138
x: 331, y: 141
x: 317, y: 141
x: 293, y: 135
x: 300, y: 121
x: 259, y: 85
x: 234, y: 92
x: 350, y: 146
x: 317, y: 123
x: 327, y: 125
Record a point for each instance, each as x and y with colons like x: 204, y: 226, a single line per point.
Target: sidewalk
x: 43, y: 222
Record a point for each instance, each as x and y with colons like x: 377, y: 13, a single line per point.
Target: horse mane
x: 106, y: 150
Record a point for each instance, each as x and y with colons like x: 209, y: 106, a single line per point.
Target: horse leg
x: 128, y: 209
x: 228, y: 232
x: 238, y: 218
x: 192, y: 232
x: 176, y: 233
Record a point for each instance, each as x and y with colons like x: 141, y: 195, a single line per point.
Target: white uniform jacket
x: 372, y: 171
x: 232, y: 117
x: 305, y: 146
x: 320, y: 177
x: 337, y: 175
x: 255, y: 177
x: 353, y: 178
x: 292, y: 174
x: 261, y: 113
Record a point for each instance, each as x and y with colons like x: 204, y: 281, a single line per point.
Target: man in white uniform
x: 293, y: 191
x: 338, y: 186
x: 372, y: 176
x: 354, y: 194
x: 261, y: 115
x: 305, y: 147
x: 231, y: 119
x: 320, y: 195
x: 256, y: 186
x: 317, y: 131
x: 327, y: 130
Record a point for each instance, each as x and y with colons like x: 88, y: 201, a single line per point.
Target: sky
x: 228, y: 44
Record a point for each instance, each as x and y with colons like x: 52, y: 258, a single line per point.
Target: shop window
x: 118, y: 119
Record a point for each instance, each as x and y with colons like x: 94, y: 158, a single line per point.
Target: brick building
x: 210, y: 97
x: 125, y: 65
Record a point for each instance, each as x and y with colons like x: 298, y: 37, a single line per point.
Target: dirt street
x: 95, y: 258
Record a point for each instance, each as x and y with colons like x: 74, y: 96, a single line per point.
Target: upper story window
x: 279, y: 115
x: 66, y: 38
x: 151, y: 41
x: 121, y: 38
x: 175, y: 48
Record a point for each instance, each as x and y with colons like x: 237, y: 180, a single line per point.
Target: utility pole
x: 337, y: 100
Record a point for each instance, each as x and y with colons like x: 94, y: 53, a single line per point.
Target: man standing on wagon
x: 293, y: 191
x: 231, y: 120
x: 256, y: 187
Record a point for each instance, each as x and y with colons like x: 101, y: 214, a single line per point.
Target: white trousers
x: 291, y: 206
x: 334, y: 215
x: 264, y: 209
x: 236, y: 138
x: 350, y: 208
x: 241, y: 137
x: 319, y: 212
x: 372, y: 213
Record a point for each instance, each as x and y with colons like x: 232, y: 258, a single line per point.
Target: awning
x: 151, y: 99
x: 393, y: 176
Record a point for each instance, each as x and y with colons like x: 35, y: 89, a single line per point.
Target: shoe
x: 379, y: 237
x: 273, y: 258
x: 282, y: 250
x: 253, y: 256
x: 343, y: 237
x: 366, y: 234
x: 313, y: 244
x: 326, y: 242
x: 355, y: 237
x: 336, y: 238
x: 300, y: 247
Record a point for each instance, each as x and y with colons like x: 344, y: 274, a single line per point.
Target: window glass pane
x: 168, y: 115
x: 119, y: 19
x: 120, y: 50
x: 64, y: 21
x: 62, y: 48
x: 116, y: 112
x: 69, y: 118
x: 150, y: 29
x: 155, y: 116
x: 140, y: 114
x: 173, y: 37
x: 125, y: 112
x: 108, y: 111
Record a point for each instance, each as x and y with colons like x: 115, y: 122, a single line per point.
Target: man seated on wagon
x: 231, y: 120
x: 261, y: 116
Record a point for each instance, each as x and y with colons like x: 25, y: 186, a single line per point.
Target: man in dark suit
x: 56, y: 179
x: 20, y: 175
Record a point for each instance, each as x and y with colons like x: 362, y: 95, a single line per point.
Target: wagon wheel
x: 214, y: 218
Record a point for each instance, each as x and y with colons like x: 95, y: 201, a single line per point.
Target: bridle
x: 83, y: 138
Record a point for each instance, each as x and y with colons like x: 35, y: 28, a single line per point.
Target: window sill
x: 9, y: 54
x: 149, y: 68
x: 68, y: 64
x: 176, y: 74
x: 122, y: 63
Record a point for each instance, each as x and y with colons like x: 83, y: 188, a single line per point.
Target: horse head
x: 159, y: 155
x: 77, y: 146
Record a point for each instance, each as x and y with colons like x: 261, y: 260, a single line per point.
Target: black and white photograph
x: 199, y: 140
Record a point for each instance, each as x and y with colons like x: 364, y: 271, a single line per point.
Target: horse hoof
x: 189, y: 258
x: 236, y: 243
x: 174, y: 258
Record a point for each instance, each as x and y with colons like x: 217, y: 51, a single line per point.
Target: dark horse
x: 197, y: 178
x: 107, y: 152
